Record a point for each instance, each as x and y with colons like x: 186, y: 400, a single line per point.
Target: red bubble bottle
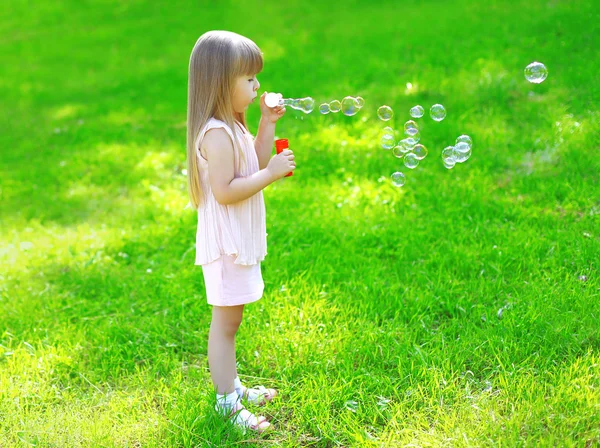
x: 280, y: 145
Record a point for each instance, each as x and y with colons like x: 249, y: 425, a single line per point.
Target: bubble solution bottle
x: 280, y: 145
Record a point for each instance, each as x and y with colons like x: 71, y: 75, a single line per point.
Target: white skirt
x: 230, y: 284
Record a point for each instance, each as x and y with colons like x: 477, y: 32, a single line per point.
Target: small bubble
x: 536, y: 72
x: 398, y: 179
x: 417, y: 111
x: 465, y: 139
x: 387, y: 141
x: 411, y: 161
x: 385, y: 113
x: 335, y: 106
x: 420, y: 151
x: 324, y: 108
x: 437, y: 112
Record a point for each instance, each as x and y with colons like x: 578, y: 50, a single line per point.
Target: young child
x: 227, y: 171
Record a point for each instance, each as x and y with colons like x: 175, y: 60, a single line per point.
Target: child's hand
x: 282, y: 163
x: 272, y: 114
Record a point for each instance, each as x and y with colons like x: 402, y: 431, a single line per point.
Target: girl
x: 227, y: 171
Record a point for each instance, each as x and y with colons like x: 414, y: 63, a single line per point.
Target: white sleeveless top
x: 237, y: 229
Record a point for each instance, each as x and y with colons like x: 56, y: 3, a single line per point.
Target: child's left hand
x: 272, y: 114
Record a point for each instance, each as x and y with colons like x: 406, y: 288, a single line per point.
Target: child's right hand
x: 282, y: 163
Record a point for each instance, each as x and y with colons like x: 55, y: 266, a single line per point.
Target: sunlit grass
x: 459, y: 310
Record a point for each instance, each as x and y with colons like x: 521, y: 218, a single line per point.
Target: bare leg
x: 221, y: 346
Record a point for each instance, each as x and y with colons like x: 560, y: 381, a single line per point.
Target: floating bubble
x: 387, y: 141
x: 385, y: 113
x: 410, y: 124
x: 448, y: 154
x: 406, y: 145
x: 437, y: 112
x: 398, y: 151
x: 461, y: 147
x: 350, y: 106
x: 360, y: 101
x: 398, y: 179
x: 465, y: 139
x: 388, y: 130
x: 449, y: 163
x: 413, y: 134
x: 410, y: 160
x: 324, y: 108
x: 417, y: 111
x: 462, y: 156
x: 335, y: 106
x: 410, y: 141
x: 536, y: 72
x: 420, y: 151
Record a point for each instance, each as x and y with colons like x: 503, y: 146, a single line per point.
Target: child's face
x: 244, y: 92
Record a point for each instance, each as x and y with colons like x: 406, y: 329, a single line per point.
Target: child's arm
x: 263, y: 143
x: 229, y: 189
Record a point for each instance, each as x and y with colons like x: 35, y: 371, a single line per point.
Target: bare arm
x: 263, y: 143
x: 229, y: 189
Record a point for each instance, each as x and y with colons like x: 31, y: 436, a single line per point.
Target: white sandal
x: 244, y: 419
x: 259, y: 395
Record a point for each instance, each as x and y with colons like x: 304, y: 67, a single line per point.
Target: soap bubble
x: 307, y: 105
x: 413, y: 134
x: 411, y: 161
x: 536, y: 72
x: 448, y: 154
x: 335, y: 106
x: 462, y: 156
x: 407, y: 144
x: 387, y: 141
x: 420, y: 151
x: 398, y: 151
x: 437, y: 112
x: 324, y: 108
x: 385, y: 113
x: 388, y: 130
x: 465, y: 139
x: 449, y: 163
x: 410, y: 124
x: 461, y: 147
x: 410, y: 142
x: 417, y: 111
x: 350, y: 106
x: 360, y: 101
x: 398, y: 179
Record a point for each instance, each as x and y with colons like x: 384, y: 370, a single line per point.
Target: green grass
x: 379, y: 324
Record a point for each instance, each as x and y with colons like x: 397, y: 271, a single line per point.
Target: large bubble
x: 350, y: 106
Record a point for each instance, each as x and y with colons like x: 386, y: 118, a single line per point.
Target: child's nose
x: 257, y: 86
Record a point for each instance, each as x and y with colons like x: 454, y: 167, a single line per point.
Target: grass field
x: 459, y: 310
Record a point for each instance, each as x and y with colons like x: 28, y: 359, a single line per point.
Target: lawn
x: 459, y: 310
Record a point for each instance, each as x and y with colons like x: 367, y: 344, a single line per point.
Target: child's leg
x: 221, y: 346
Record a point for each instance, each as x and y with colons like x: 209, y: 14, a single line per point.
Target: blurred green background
x: 458, y: 310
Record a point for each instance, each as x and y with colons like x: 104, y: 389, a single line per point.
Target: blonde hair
x: 218, y: 58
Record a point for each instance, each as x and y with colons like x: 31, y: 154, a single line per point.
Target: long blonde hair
x: 217, y: 59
